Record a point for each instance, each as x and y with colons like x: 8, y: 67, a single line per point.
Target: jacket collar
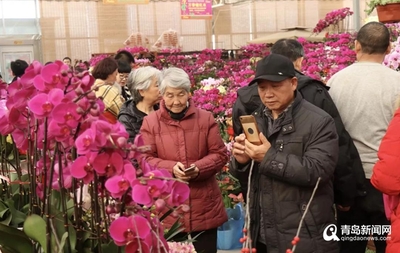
x: 287, y: 122
x: 165, y: 114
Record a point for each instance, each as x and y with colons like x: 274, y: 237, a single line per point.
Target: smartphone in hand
x: 190, y: 169
x: 250, y: 128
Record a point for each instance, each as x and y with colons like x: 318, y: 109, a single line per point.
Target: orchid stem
x: 44, y: 166
x: 96, y: 212
x: 63, y: 204
x: 49, y: 192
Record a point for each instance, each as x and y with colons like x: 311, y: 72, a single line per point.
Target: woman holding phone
x: 186, y: 141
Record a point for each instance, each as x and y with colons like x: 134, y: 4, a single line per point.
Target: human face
x: 175, y: 99
x: 121, y: 78
x: 277, y: 96
x: 151, y: 95
x: 113, y: 77
x: 67, y: 61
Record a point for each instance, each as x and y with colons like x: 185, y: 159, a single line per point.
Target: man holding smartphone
x: 299, y: 145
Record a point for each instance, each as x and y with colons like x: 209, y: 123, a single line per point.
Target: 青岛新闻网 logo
x: 330, y: 233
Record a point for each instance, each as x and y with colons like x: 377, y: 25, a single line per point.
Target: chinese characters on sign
x: 199, y: 9
x: 357, y: 233
x: 125, y: 1
x: 365, y: 229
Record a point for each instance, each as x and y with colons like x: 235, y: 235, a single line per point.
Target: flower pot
x: 389, y: 13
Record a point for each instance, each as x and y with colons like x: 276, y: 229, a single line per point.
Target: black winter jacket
x: 132, y: 118
x: 349, y: 181
x: 304, y: 147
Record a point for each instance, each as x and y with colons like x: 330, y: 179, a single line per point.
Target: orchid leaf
x: 111, y: 248
x: 35, y: 228
x: 14, y: 240
x: 175, y: 229
x: 62, y: 242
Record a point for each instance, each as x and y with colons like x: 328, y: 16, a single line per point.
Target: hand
x: 238, y: 150
x: 343, y: 208
x: 257, y: 152
x: 177, y: 170
x: 194, y: 173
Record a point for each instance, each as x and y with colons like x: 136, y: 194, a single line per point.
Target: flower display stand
x: 230, y: 232
x: 389, y: 13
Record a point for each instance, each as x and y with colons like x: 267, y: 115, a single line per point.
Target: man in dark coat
x: 349, y: 180
x: 299, y: 150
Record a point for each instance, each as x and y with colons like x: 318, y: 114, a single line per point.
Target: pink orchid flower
x: 65, y: 113
x: 82, y: 167
x: 85, y: 142
x: 179, y: 194
x: 146, y: 191
x: 108, y: 164
x: 66, y: 176
x: 133, y: 231
x: 42, y: 104
x: 60, y: 132
x: 52, y: 77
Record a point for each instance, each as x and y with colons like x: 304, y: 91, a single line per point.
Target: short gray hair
x: 140, y: 79
x: 175, y: 78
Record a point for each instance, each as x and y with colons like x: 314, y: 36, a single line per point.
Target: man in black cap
x: 299, y: 146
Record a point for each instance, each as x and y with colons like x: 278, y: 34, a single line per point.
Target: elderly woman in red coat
x: 181, y: 136
x: 386, y: 178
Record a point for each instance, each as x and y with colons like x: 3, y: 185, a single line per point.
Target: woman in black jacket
x: 143, y: 85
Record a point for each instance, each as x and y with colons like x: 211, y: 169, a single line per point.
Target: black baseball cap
x: 275, y: 68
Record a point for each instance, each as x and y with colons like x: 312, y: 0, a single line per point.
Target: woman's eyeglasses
x: 123, y: 77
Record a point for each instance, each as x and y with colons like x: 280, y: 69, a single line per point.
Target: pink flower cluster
x: 322, y: 60
x: 181, y: 247
x: 332, y: 18
x: 60, y: 111
x: 392, y: 60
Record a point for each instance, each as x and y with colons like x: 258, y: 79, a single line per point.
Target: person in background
x: 68, y: 62
x: 386, y: 178
x: 181, y: 135
x: 349, y: 180
x: 105, y: 72
x: 124, y: 69
x: 126, y: 56
x: 299, y: 146
x: 18, y: 68
x: 143, y: 84
x: 364, y: 94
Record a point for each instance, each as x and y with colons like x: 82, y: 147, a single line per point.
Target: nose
x: 268, y: 92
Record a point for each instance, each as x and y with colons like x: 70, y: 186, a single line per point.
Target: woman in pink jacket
x: 386, y: 178
x: 181, y: 135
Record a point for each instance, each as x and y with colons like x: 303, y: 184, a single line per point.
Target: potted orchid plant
x: 80, y: 191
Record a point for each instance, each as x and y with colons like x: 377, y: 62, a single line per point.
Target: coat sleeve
x: 151, y: 156
x: 386, y: 172
x: 217, y: 155
x: 319, y: 159
x: 349, y: 165
x: 129, y: 127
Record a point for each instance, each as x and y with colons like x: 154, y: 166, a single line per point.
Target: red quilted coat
x: 193, y: 139
x: 386, y: 176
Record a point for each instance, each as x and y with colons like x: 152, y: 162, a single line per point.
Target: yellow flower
x: 222, y: 89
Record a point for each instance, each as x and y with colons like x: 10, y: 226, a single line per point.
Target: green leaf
x: 174, y: 230
x: 58, y: 222
x: 35, y: 228
x: 166, y: 214
x: 111, y: 248
x: 7, y: 221
x: 70, y: 208
x: 17, y: 216
x: 14, y: 240
x: 3, y: 212
x: 62, y: 243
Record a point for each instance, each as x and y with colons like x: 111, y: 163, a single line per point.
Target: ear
x: 357, y: 46
x: 141, y: 92
x: 297, y: 63
x: 389, y: 48
x: 294, y: 83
